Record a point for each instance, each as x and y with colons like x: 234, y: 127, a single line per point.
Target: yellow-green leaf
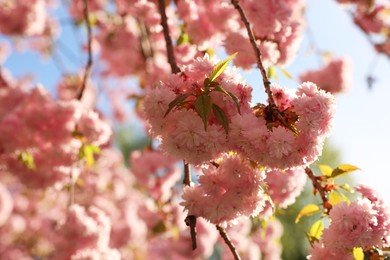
x: 347, y: 188
x: 358, y: 253
x: 183, y: 38
x: 285, y: 73
x: 326, y: 170
x: 308, y: 210
x: 87, y: 152
x: 27, y: 160
x: 343, y: 169
x: 345, y: 198
x: 271, y: 73
x: 220, y: 67
x: 316, y: 229
x: 335, y: 198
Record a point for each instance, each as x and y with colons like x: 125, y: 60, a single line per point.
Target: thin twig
x: 256, y: 49
x: 88, y: 66
x: 228, y: 242
x: 164, y: 23
x: 187, y: 174
x: 318, y: 187
x: 190, y: 219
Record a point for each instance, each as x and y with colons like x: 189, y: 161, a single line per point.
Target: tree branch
x: 187, y: 174
x: 228, y: 242
x: 190, y: 219
x: 316, y: 181
x: 256, y: 49
x: 88, y: 66
x: 164, y: 23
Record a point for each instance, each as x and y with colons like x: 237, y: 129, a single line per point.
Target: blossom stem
x: 266, y: 82
x: 171, y: 56
x: 187, y: 174
x: 88, y: 66
x: 190, y: 219
x: 228, y: 242
x: 318, y: 187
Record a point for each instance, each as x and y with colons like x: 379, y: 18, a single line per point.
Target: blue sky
x: 362, y: 129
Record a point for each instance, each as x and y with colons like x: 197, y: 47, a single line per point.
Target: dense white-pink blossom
x: 263, y: 139
x: 40, y: 138
x: 85, y: 234
x: 22, y: 18
x: 182, y: 131
x: 285, y: 186
x: 334, y: 77
x: 231, y: 191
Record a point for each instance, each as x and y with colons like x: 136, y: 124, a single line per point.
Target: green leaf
x: 316, y: 229
x: 343, y: 169
x: 221, y: 117
x: 231, y: 95
x: 27, y: 160
x: 208, y: 83
x: 175, y: 102
x: 308, y: 210
x: 326, y: 170
x: 203, y: 108
x: 285, y: 73
x: 87, y: 152
x: 358, y: 253
x: 271, y: 73
x: 220, y: 67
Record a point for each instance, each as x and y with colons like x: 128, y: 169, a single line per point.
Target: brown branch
x: 256, y: 49
x: 187, y: 174
x: 88, y: 66
x: 164, y: 23
x: 316, y: 181
x: 190, y: 219
x: 228, y: 242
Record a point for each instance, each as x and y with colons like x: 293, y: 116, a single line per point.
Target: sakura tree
x: 219, y: 164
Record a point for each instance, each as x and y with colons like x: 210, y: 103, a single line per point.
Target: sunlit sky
x: 362, y: 129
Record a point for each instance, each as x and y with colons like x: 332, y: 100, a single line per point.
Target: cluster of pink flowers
x: 157, y: 172
x: 311, y: 113
x: 285, y: 186
x: 22, y: 18
x: 137, y: 25
x: 253, y: 134
x: 334, y: 77
x: 85, y: 235
x: 255, y: 242
x: 277, y: 27
x: 42, y: 137
x: 364, y: 223
x: 227, y: 193
x: 182, y: 132
x: 372, y: 19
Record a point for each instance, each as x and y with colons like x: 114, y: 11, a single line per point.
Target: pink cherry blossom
x: 234, y: 187
x: 285, y: 186
x: 340, y: 81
